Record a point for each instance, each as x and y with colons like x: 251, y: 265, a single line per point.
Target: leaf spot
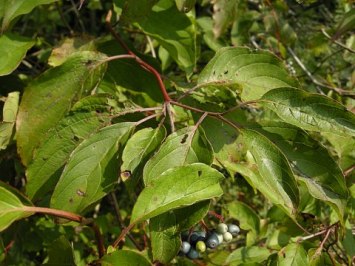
x: 80, y: 193
x: 184, y: 139
x: 199, y: 173
x: 125, y: 175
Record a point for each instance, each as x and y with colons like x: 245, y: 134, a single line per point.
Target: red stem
x: 138, y: 60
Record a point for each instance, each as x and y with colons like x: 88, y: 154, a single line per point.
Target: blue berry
x: 197, y: 236
x: 185, y: 247
x: 233, y: 229
x: 193, y: 254
x: 212, y: 241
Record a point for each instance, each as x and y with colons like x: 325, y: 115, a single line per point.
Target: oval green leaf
x: 176, y: 188
x: 311, y: 161
x: 13, y: 49
x: 174, y: 31
x: 137, y: 150
x: 275, y: 171
x: 47, y: 99
x: 310, y: 111
x: 185, y: 146
x: 12, y: 9
x: 247, y: 217
x: 11, y: 207
x: 9, y: 117
x: 92, y: 169
x: 247, y: 255
x: 253, y: 72
x: 164, y: 237
x: 293, y: 255
x: 124, y: 258
x: 49, y: 159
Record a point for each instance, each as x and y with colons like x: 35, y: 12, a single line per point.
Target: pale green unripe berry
x: 200, y: 246
x: 227, y: 237
x: 222, y: 228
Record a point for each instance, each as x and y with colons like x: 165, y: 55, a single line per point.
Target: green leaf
x: 317, y: 169
x: 124, y: 258
x: 164, y: 236
x: 134, y: 10
x: 316, y: 258
x: 293, y: 255
x: 252, y: 254
x: 61, y: 253
x: 68, y: 46
x: 247, y: 217
x: 9, y: 117
x: 92, y: 169
x: 196, y: 213
x: 124, y: 73
x: 49, y: 159
x: 13, y: 49
x: 47, y: 99
x: 346, y: 23
x: 12, y: 9
x: 185, y: 5
x: 176, y: 188
x: 137, y: 150
x: 101, y: 102
x: 224, y: 12
x: 11, y: 207
x: 310, y: 111
x: 253, y: 72
x: 275, y: 171
x: 185, y: 146
x: 174, y: 31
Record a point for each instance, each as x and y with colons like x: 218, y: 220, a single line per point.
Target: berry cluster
x: 198, y: 241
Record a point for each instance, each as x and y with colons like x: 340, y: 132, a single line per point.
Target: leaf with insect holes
x: 274, y: 169
x: 137, y: 150
x: 187, y: 145
x: 310, y: 111
x: 49, y: 159
x: 49, y: 97
x: 254, y: 72
x: 92, y: 169
x: 178, y: 187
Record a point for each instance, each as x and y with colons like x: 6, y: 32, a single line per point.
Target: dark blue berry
x: 193, y: 254
x: 212, y: 241
x: 197, y: 236
x: 233, y: 229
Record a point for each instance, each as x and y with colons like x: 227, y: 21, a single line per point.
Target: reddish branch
x: 142, y: 63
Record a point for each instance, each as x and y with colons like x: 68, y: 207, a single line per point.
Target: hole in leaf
x: 125, y: 175
x: 80, y: 193
x: 199, y: 173
x: 184, y: 139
